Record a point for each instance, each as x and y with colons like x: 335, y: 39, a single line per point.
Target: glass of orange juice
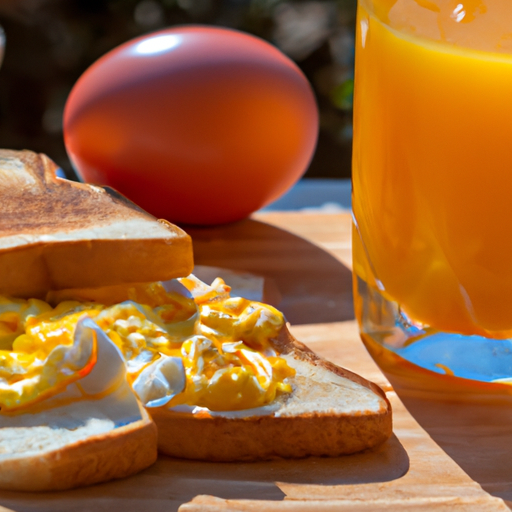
x: 432, y: 186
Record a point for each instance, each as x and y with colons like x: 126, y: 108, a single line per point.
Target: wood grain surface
x: 306, y: 258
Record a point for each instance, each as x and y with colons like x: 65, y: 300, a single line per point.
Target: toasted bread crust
x: 119, y: 453
x: 285, y: 343
x: 57, y: 234
x: 268, y: 437
x: 218, y: 438
x: 35, y: 201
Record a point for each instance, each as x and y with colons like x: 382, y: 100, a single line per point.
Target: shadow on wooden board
x: 477, y: 435
x: 172, y: 482
x: 315, y: 287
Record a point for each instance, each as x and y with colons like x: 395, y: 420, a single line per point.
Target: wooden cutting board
x: 305, y: 259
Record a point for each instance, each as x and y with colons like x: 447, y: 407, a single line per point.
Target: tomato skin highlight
x: 205, y: 131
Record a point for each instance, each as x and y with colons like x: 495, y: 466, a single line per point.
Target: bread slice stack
x: 57, y: 235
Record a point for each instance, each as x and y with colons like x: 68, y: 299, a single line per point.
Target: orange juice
x: 432, y: 184
x: 432, y: 168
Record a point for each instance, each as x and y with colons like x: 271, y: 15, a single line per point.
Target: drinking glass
x: 432, y: 189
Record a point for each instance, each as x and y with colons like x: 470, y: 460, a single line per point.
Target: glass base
x: 387, y: 332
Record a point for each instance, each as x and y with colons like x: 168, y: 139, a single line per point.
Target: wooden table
x: 305, y: 258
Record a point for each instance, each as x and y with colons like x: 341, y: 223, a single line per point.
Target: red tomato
x: 198, y: 125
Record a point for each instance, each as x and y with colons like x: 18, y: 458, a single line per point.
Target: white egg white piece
x: 102, y: 400
x: 174, y: 286
x: 161, y: 381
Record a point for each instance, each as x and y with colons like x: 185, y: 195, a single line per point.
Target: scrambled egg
x: 184, y: 343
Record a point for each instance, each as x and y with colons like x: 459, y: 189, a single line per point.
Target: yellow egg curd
x: 220, y: 349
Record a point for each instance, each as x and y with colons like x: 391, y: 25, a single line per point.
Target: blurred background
x: 50, y: 43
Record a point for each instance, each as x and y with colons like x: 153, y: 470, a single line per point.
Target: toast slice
x: 330, y: 412
x: 93, y: 431
x: 50, y: 457
x: 57, y: 234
